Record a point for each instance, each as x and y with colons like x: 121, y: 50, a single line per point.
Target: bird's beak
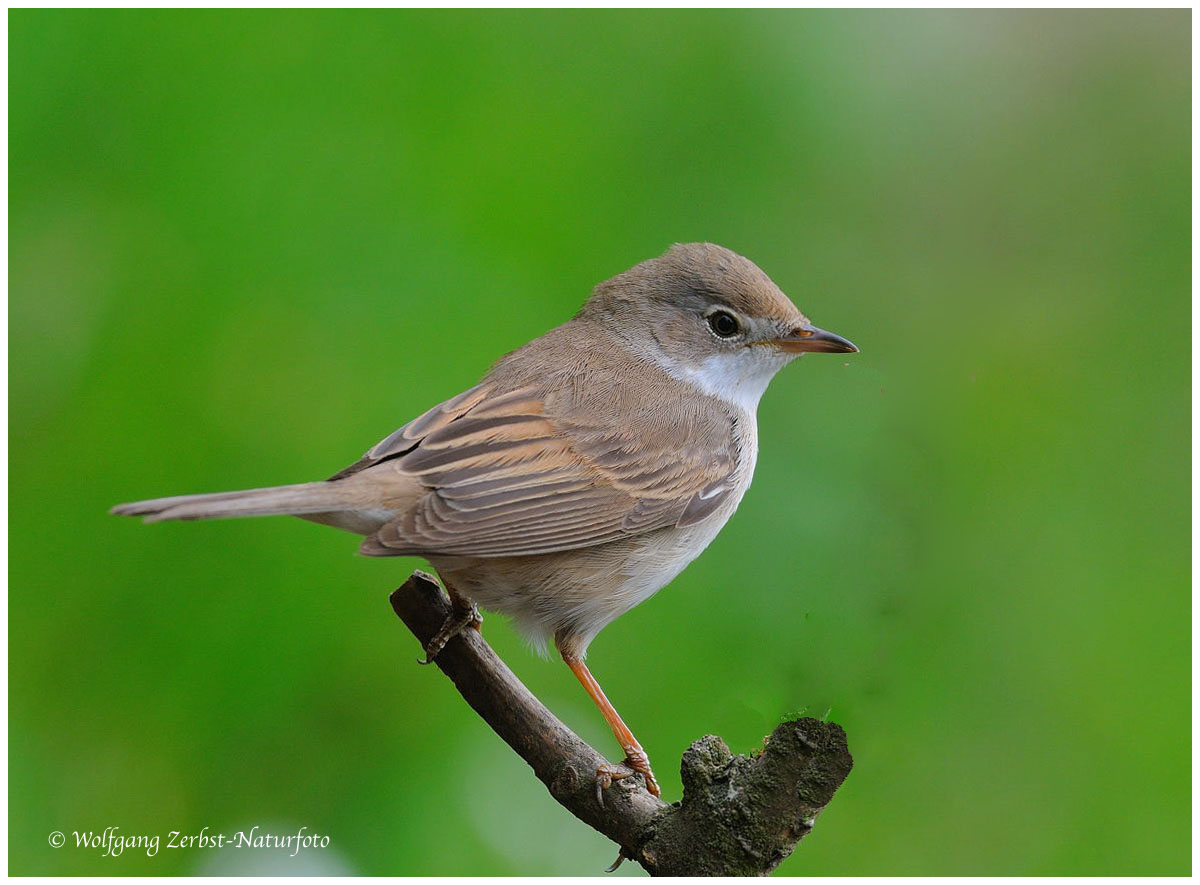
x: 809, y: 339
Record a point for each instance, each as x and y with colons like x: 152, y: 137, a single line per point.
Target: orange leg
x: 635, y: 756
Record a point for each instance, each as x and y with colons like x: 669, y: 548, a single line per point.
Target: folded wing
x: 504, y: 478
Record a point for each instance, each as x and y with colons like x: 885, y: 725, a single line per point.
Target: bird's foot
x: 463, y: 614
x: 636, y: 762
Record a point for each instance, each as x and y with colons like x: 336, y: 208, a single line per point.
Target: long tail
x: 307, y: 497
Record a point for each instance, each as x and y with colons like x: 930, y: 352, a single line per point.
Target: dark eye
x: 723, y: 324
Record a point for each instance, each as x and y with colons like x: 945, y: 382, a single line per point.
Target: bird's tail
x: 306, y: 497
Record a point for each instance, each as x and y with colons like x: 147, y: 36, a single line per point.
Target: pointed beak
x: 810, y: 339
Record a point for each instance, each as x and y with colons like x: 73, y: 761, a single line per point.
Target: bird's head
x: 711, y: 317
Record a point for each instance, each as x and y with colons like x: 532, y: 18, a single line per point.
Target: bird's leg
x: 636, y: 760
x: 463, y: 614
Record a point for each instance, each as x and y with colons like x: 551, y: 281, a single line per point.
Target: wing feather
x: 505, y: 477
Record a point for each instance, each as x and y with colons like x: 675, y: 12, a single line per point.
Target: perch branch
x: 739, y: 815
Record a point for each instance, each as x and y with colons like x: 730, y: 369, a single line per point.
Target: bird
x: 584, y: 471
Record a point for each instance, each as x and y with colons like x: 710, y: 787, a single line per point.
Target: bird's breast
x: 577, y: 592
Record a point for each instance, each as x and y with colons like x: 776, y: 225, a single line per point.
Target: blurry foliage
x: 246, y: 245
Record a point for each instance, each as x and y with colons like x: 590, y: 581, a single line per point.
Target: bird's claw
x: 462, y: 616
x: 636, y: 762
x: 621, y: 858
x: 606, y: 774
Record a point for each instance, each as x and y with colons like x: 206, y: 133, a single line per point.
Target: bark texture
x: 739, y: 816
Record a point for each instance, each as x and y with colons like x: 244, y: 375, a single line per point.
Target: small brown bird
x: 585, y: 470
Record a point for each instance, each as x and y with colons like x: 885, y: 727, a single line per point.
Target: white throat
x: 739, y: 379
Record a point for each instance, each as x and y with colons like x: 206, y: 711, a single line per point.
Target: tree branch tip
x: 739, y: 815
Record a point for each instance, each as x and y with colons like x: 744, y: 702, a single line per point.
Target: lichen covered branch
x: 739, y: 815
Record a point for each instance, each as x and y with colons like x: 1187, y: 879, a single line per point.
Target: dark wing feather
x: 406, y: 438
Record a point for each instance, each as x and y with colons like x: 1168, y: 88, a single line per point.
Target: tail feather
x: 308, y: 497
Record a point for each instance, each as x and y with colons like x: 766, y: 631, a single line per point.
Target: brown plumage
x: 587, y: 468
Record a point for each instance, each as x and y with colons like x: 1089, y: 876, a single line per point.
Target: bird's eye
x: 724, y: 325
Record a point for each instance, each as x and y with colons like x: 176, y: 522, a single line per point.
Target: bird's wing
x: 504, y: 476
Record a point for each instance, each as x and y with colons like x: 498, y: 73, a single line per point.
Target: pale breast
x: 575, y: 594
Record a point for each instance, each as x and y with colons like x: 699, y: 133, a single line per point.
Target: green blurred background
x: 244, y: 246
